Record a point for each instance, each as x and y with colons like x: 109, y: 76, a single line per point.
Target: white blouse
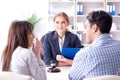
x: 61, y: 42
x: 24, y: 62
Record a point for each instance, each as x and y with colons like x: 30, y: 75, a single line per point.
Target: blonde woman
x: 56, y: 40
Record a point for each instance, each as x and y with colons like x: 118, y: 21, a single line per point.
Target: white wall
x: 19, y: 10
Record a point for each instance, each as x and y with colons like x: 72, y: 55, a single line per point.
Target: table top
x: 63, y: 75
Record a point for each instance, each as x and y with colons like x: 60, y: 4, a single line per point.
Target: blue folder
x: 69, y: 52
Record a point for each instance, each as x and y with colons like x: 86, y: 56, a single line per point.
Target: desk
x: 63, y: 75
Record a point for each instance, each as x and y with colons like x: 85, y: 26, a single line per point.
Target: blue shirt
x: 102, y: 57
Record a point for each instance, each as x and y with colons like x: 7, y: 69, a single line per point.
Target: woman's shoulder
x: 50, y: 34
x: 20, y: 51
x: 19, y: 48
x: 71, y: 33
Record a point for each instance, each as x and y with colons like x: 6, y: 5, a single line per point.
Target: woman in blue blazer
x: 54, y: 41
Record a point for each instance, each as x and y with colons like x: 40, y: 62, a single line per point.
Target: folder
x: 69, y: 52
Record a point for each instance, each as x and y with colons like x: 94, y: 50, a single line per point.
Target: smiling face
x: 60, y: 24
x: 88, y: 32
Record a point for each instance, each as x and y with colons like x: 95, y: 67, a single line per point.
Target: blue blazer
x: 51, y: 45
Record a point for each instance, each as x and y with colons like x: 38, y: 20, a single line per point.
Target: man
x: 102, y: 56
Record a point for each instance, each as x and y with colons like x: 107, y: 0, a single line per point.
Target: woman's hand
x: 60, y: 58
x: 64, y: 61
x: 37, y: 48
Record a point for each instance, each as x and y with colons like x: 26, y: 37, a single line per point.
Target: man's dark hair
x: 102, y: 19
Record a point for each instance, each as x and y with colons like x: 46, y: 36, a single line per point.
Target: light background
x: 19, y: 10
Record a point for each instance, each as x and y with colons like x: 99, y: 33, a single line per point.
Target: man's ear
x: 94, y: 28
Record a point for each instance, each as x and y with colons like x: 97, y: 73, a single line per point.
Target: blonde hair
x: 63, y: 14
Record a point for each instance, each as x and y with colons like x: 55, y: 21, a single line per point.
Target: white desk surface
x: 63, y: 75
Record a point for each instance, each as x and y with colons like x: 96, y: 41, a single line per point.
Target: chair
x: 105, y: 77
x: 14, y: 76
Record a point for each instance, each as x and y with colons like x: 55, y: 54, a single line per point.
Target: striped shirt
x: 102, y: 57
x: 24, y: 62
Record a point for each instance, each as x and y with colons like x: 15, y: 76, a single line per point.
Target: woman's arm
x: 37, y: 66
x: 64, y: 61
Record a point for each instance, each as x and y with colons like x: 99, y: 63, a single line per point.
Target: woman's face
x: 60, y: 24
x: 30, y: 39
